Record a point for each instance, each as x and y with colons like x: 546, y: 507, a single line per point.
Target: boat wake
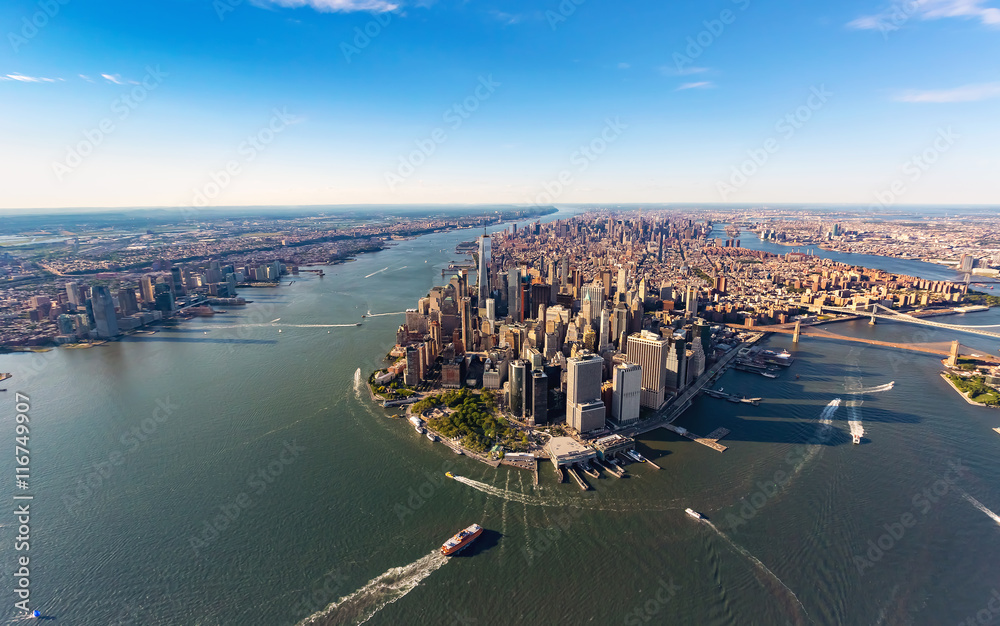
x: 576, y: 503
x: 360, y: 606
x: 357, y: 383
x: 826, y: 417
x: 854, y: 419
x: 377, y: 272
x: 821, y: 436
x: 763, y: 568
x: 860, y: 390
x: 979, y: 505
x: 506, y: 494
x: 370, y: 314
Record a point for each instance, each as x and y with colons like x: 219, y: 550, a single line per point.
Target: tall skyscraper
x: 482, y: 275
x: 539, y: 398
x: 104, y: 312
x: 595, y: 295
x: 518, y: 374
x: 147, y: 289
x: 649, y: 351
x: 619, y: 325
x: 627, y: 391
x: 127, y: 301
x: 692, y: 302
x: 73, y: 294
x: 676, y: 366
x: 585, y: 410
x: 514, y: 293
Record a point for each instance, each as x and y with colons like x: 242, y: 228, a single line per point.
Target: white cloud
x: 21, y: 78
x: 899, y: 12
x: 338, y: 6
x: 966, y: 93
x: 705, y: 84
x: 86, y: 78
x: 113, y: 78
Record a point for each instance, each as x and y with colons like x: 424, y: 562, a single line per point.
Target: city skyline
x: 291, y: 103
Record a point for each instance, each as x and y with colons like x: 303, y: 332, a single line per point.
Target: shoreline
x: 962, y: 393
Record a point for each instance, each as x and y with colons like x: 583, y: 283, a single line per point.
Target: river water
x: 223, y: 472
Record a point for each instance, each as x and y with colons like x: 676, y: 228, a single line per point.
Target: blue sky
x: 288, y: 102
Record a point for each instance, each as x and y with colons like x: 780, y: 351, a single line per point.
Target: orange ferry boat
x: 461, y: 540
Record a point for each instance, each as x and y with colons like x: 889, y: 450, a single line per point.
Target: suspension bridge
x: 877, y: 311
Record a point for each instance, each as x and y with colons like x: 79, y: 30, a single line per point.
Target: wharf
x: 613, y: 469
x: 715, y: 393
x: 579, y: 481
x: 712, y: 441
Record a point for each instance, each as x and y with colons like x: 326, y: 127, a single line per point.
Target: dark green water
x: 340, y: 511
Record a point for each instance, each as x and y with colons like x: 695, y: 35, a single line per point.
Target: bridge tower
x: 871, y: 322
x: 953, y: 358
x: 795, y: 335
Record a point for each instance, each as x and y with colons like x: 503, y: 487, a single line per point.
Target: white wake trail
x: 360, y: 606
x: 822, y: 435
x: 979, y: 505
x: 577, y: 503
x: 826, y: 417
x: 377, y: 272
x: 854, y: 418
x: 357, y: 383
x: 384, y: 314
x: 879, y: 389
x: 759, y: 564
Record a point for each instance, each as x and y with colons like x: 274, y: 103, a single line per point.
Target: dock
x: 712, y: 441
x: 613, y: 469
x: 560, y: 476
x: 579, y: 481
x: 590, y: 471
x: 716, y: 393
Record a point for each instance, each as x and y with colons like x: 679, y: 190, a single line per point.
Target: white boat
x: 419, y: 429
x: 997, y: 430
x: 856, y: 438
x: 432, y: 436
x: 694, y: 514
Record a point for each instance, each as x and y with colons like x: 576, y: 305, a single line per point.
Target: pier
x: 579, y: 481
x: 612, y: 469
x: 650, y: 461
x: 590, y: 471
x: 715, y: 393
x: 712, y: 441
